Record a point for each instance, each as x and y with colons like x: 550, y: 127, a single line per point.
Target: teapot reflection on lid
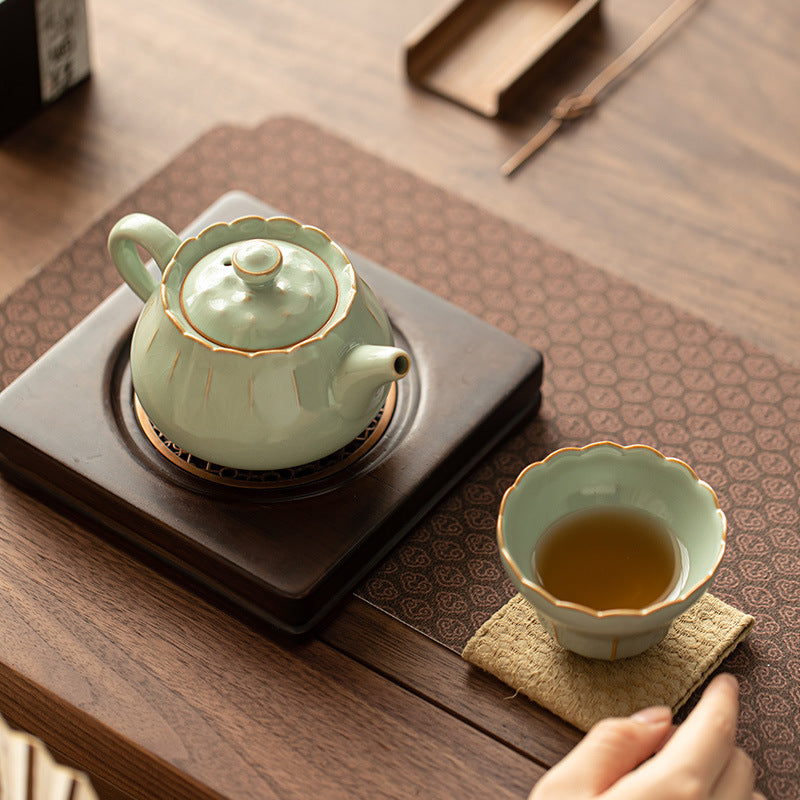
x: 260, y: 347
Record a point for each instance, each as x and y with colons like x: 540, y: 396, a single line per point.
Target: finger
x: 611, y: 749
x: 704, y: 743
x: 737, y: 780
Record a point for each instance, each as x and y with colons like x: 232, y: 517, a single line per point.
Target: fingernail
x: 731, y: 680
x: 653, y: 715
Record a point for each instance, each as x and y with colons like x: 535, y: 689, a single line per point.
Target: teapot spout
x: 363, y: 372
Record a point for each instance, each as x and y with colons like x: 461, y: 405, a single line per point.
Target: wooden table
x: 685, y: 181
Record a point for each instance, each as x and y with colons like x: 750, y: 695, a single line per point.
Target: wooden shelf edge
x: 117, y: 767
x: 440, y: 676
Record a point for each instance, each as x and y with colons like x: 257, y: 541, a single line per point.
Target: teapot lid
x: 259, y: 294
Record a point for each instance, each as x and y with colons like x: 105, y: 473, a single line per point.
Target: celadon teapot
x: 260, y: 347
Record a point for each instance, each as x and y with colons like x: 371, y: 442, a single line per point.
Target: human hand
x: 698, y: 760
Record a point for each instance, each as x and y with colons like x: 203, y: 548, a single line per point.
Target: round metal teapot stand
x: 270, y: 478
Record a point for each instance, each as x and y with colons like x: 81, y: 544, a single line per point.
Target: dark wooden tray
x: 484, y: 55
x: 285, y: 555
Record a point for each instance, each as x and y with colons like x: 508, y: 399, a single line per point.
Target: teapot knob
x: 257, y: 263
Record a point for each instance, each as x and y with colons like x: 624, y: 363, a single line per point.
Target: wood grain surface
x: 267, y: 720
x: 428, y: 669
x: 685, y: 179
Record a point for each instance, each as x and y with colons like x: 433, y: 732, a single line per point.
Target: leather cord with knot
x: 575, y: 105
x: 572, y: 106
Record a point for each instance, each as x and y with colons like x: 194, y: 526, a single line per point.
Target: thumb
x: 611, y: 749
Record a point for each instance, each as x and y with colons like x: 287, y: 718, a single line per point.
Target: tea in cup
x: 609, y: 557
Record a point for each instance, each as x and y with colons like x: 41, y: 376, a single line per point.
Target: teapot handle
x: 151, y: 234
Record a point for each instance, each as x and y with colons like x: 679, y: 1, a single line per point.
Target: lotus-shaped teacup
x: 635, y: 479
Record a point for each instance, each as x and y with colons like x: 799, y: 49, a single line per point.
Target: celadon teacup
x: 635, y: 477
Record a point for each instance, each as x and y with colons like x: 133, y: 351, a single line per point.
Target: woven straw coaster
x: 514, y: 647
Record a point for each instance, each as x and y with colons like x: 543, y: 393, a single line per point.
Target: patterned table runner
x: 620, y: 365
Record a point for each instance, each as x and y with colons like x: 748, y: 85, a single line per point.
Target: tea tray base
x: 282, y: 556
